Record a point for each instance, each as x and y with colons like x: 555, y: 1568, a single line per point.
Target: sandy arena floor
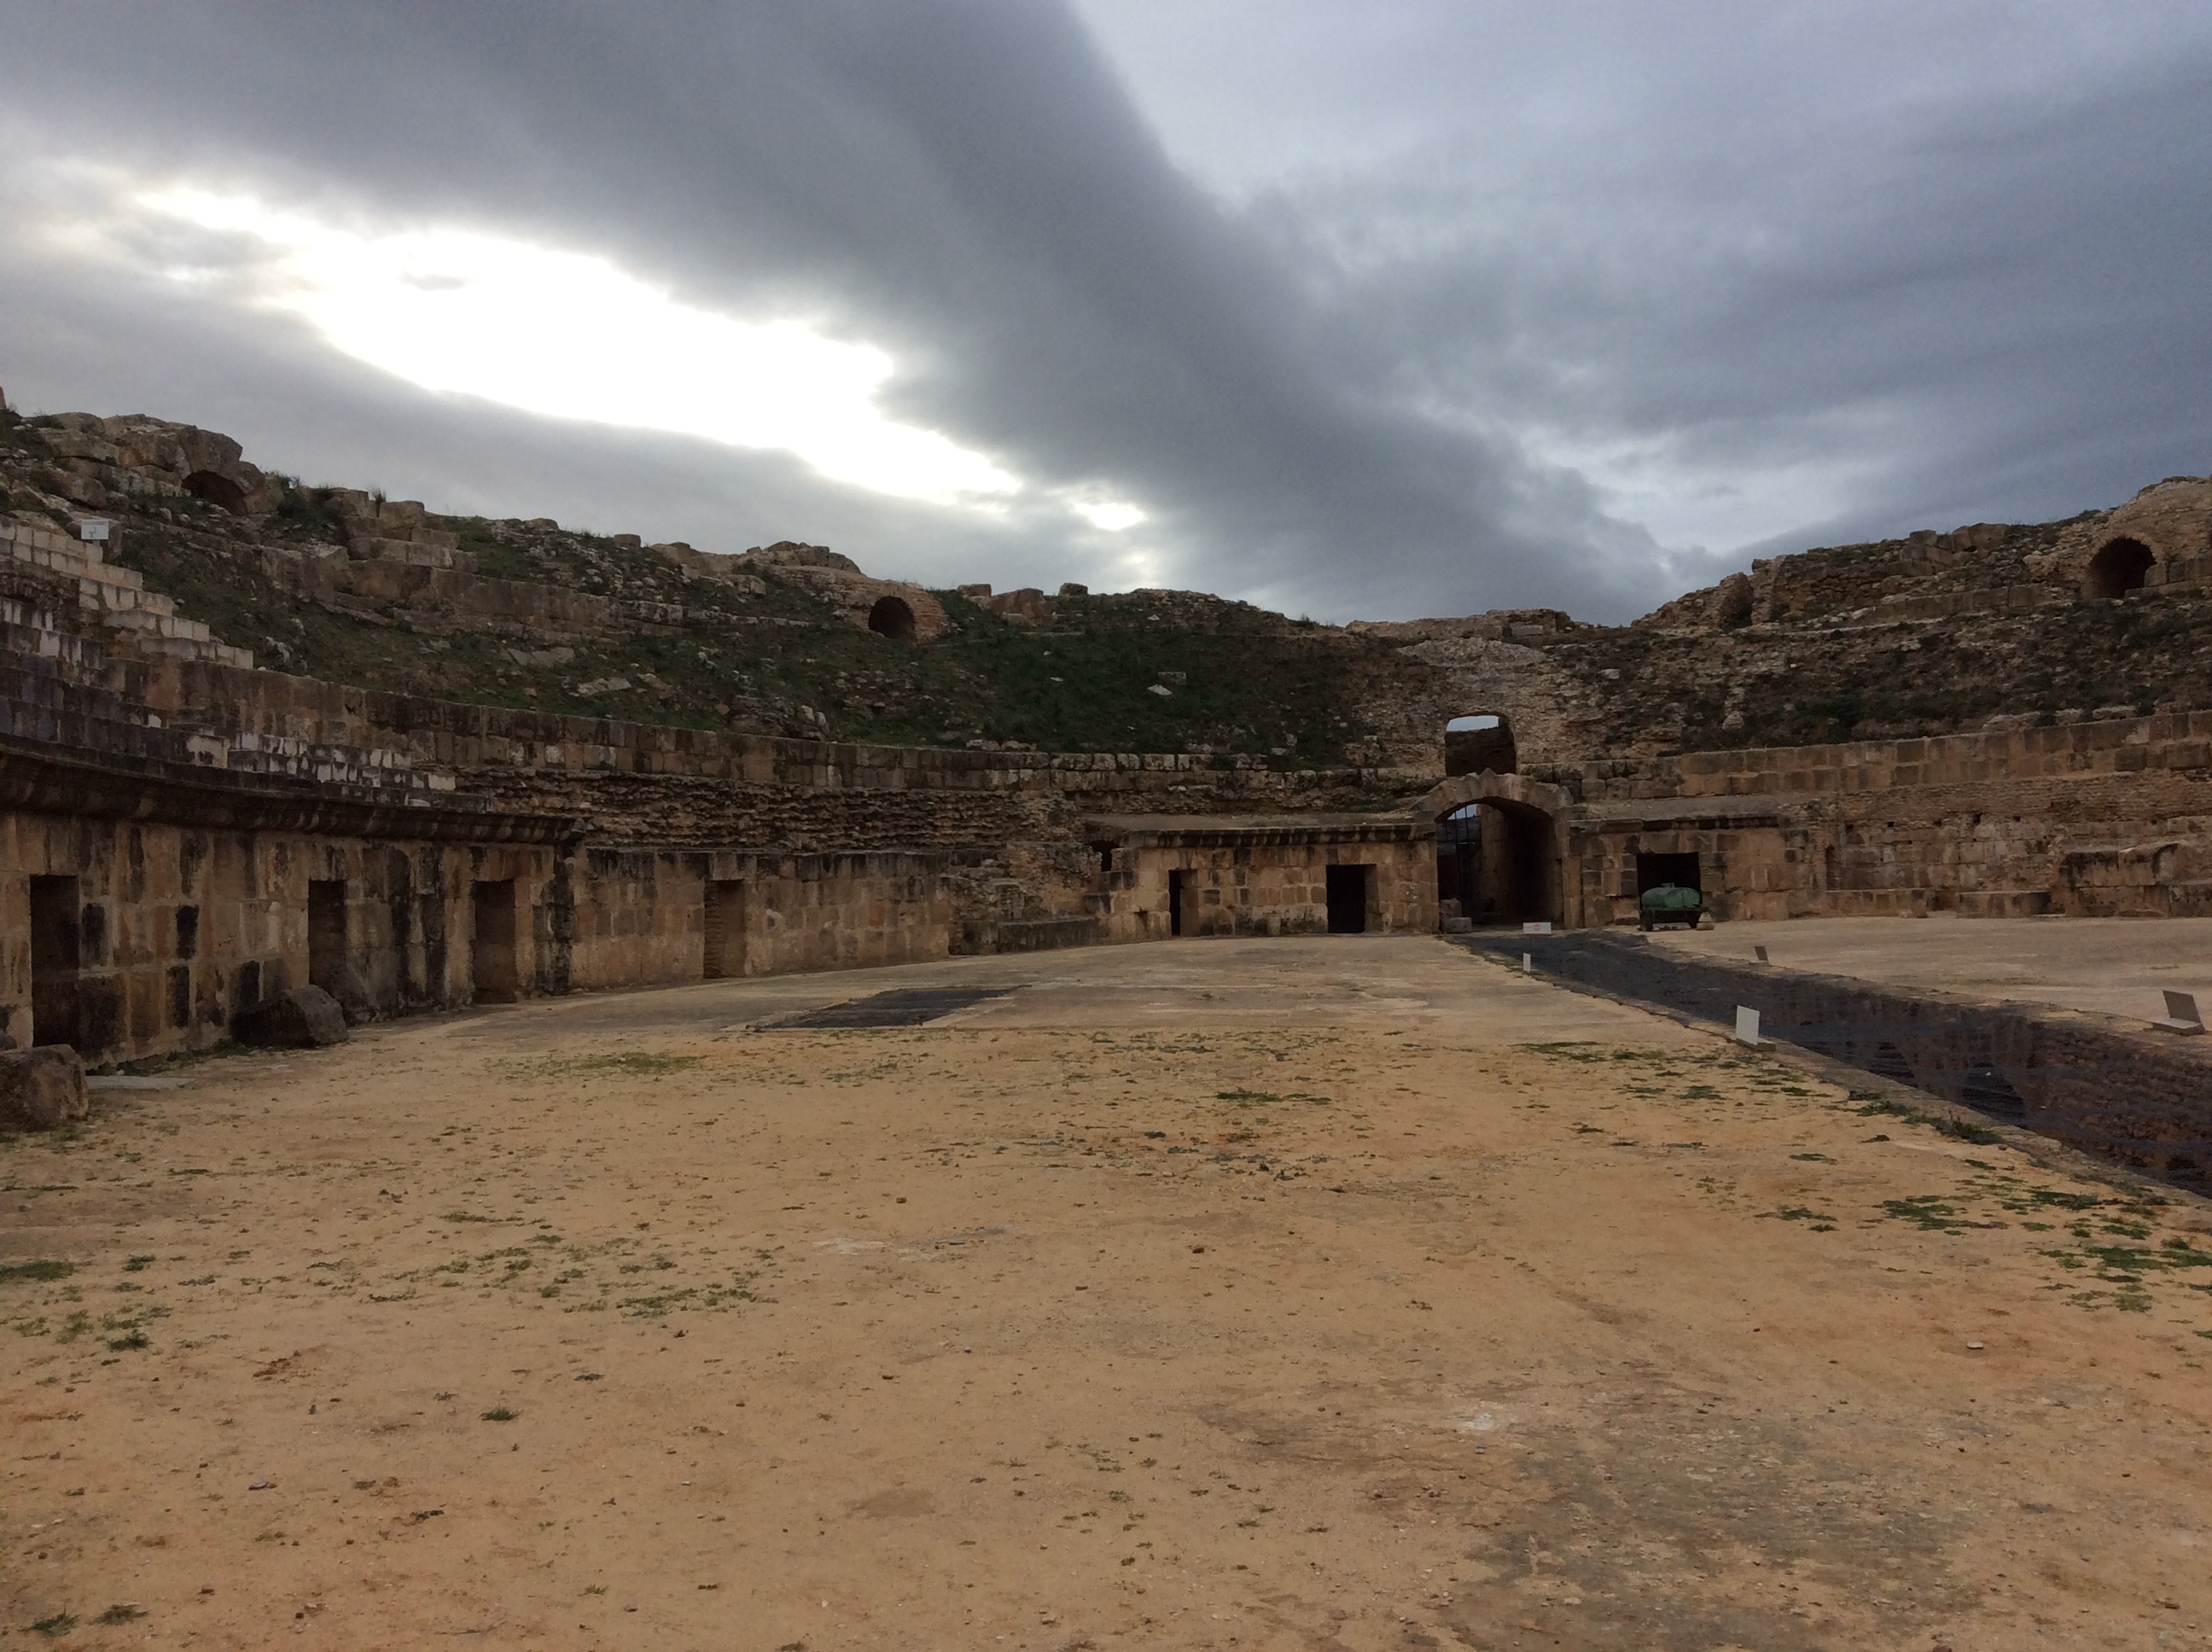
x: 1350, y: 1294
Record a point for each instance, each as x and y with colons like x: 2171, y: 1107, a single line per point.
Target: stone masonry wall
x: 178, y: 930
x: 641, y: 915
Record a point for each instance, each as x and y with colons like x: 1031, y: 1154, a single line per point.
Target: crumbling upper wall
x: 2172, y: 520
x: 139, y: 454
x: 853, y: 595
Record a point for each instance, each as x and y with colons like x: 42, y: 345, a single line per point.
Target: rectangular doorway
x: 1178, y: 888
x: 55, y: 960
x: 725, y: 928
x: 1347, y: 899
x: 327, y: 935
x: 1654, y: 870
x: 491, y: 953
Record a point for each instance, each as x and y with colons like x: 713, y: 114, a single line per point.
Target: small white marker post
x: 2182, y: 1015
x: 1746, y: 1026
x: 1759, y: 952
x: 1527, y: 964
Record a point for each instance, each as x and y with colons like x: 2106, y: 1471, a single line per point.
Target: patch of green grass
x: 1813, y: 1158
x: 128, y: 1341
x: 1821, y: 1221
x: 43, y: 1269
x: 1930, y: 1213
x: 58, y: 1623
x: 120, y: 1614
x: 1261, y: 1098
x: 501, y: 1414
x: 138, y: 1264
x: 650, y: 1063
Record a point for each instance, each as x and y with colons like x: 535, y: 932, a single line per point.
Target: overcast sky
x: 1378, y: 308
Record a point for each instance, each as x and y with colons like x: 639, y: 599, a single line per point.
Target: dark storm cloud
x: 1361, y: 384
x: 964, y: 183
x: 1886, y: 266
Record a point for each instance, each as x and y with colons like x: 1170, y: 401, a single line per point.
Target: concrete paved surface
x: 1327, y: 1295
x: 2117, y: 966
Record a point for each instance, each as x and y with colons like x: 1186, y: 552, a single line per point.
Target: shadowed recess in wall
x: 902, y: 1009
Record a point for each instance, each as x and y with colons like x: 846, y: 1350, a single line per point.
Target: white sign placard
x: 93, y: 527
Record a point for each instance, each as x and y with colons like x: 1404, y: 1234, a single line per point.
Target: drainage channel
x: 2142, y: 1098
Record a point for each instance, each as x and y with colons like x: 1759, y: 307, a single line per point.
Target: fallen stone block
x: 300, y: 1018
x: 41, y: 1089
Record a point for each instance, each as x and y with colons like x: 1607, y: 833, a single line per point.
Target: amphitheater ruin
x: 190, y: 832
x: 1160, y: 1124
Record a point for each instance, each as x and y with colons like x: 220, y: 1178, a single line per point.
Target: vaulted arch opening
x: 1459, y: 860
x: 893, y: 618
x: 217, y: 489
x: 1507, y: 838
x: 2118, y: 568
x: 1499, y: 860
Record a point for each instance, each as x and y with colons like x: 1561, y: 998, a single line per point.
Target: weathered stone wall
x: 179, y: 930
x: 641, y: 915
x: 176, y: 931
x: 624, y: 776
x: 2100, y: 819
x: 1250, y: 879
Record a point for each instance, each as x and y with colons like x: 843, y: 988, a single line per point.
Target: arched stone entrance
x: 2120, y: 566
x: 893, y: 618
x: 1515, y: 869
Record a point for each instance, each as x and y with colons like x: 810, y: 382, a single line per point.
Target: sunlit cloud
x: 567, y: 335
x: 1111, y: 516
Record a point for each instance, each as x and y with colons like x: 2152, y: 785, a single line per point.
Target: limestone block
x: 300, y: 1018
x: 41, y: 1089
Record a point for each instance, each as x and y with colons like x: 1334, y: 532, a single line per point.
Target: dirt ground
x: 1312, y: 1294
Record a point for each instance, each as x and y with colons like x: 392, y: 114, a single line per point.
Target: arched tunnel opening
x: 893, y: 618
x: 1495, y: 857
x: 217, y: 489
x: 2117, y: 568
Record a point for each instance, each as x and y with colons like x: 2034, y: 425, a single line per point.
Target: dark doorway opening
x: 327, y: 935
x: 1348, y: 888
x: 725, y: 928
x: 1653, y: 871
x: 217, y: 489
x: 55, y: 960
x: 1515, y: 869
x: 892, y: 618
x: 491, y: 964
x: 2117, y: 568
x: 1459, y: 859
x: 1178, y: 887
